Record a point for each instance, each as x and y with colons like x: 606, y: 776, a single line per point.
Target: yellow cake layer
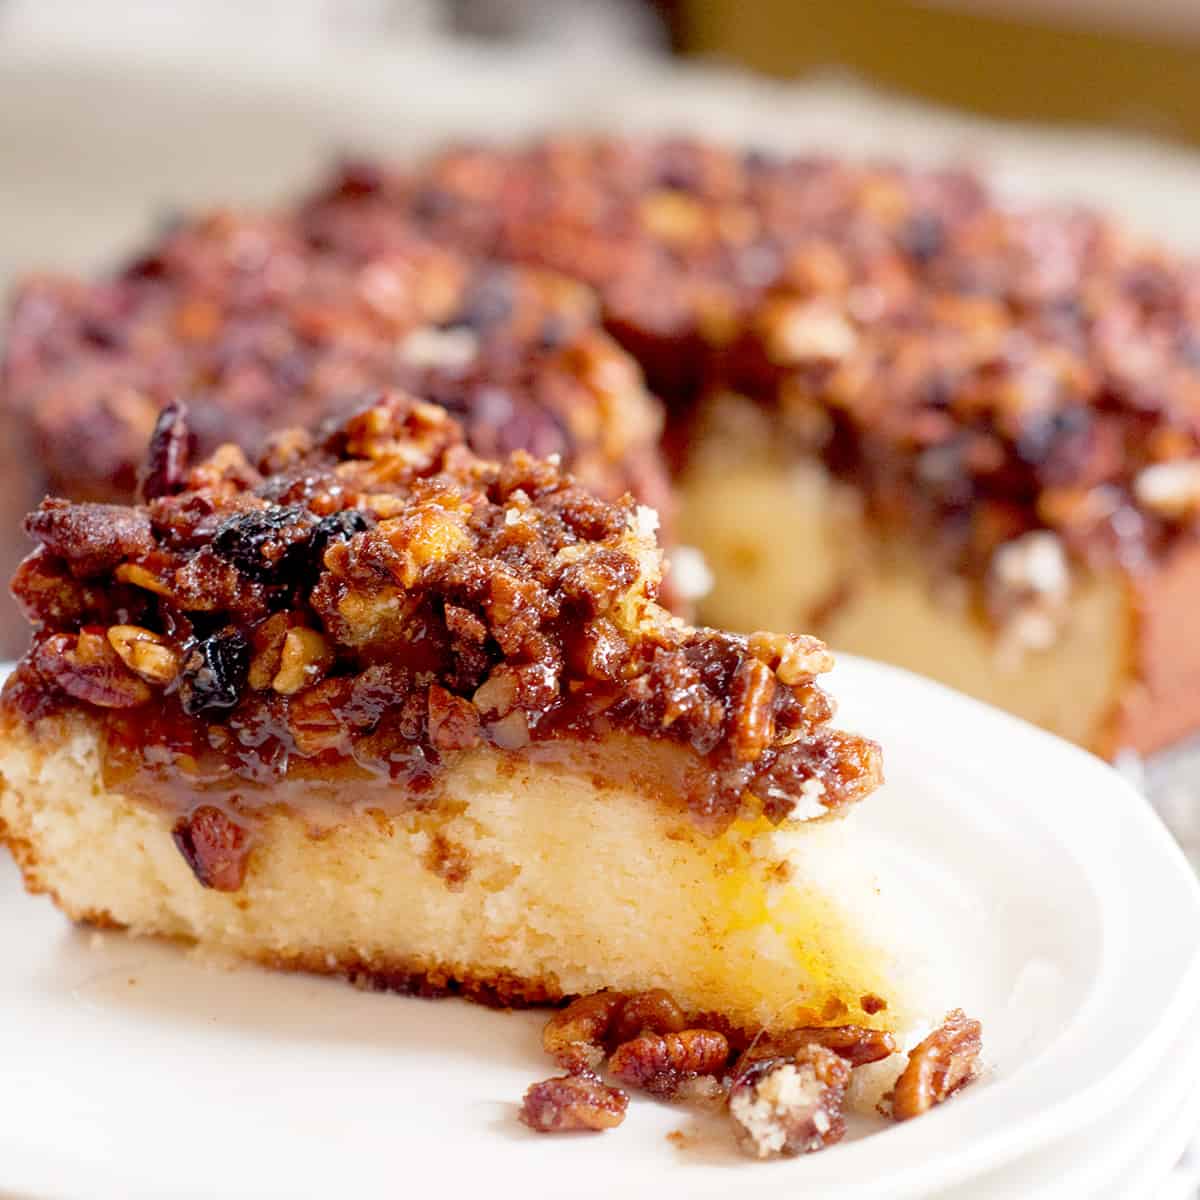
x: 531, y: 877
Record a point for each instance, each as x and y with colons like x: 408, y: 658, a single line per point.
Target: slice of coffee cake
x: 380, y: 707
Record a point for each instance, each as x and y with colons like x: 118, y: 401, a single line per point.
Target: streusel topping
x: 240, y: 316
x: 979, y: 369
x: 375, y: 594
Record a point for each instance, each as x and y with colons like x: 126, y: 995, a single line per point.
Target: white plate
x: 1070, y: 918
x: 1124, y: 1156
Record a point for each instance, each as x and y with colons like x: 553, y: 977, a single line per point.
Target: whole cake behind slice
x: 383, y: 708
x: 929, y: 424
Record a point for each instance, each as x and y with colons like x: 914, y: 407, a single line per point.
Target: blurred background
x: 1123, y: 62
x: 114, y: 111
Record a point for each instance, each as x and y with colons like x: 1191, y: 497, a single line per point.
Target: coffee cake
x: 379, y: 707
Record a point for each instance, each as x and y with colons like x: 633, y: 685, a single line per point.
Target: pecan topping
x: 660, y: 1063
x: 574, y: 1036
x: 303, y: 658
x: 215, y: 847
x: 504, y: 603
x: 573, y: 1102
x: 87, y: 668
x: 754, y: 688
x: 144, y: 652
x: 947, y: 1060
x: 790, y: 1105
x: 90, y: 538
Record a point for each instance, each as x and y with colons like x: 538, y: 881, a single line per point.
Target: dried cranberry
x: 359, y: 177
x: 269, y: 545
x: 337, y: 527
x: 214, y: 673
x: 172, y: 445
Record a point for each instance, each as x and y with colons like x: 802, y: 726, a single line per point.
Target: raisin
x: 432, y: 203
x: 172, y: 445
x: 922, y: 236
x: 337, y: 527
x: 489, y: 301
x: 214, y: 673
x: 268, y: 545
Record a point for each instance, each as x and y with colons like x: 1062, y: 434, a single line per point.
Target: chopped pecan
x: 660, y: 1063
x: 267, y: 643
x: 573, y: 1102
x: 144, y: 652
x: 790, y: 1105
x: 453, y: 721
x: 91, y: 538
x: 793, y: 657
x: 574, y: 1036
x: 948, y: 1059
x: 138, y: 576
x: 314, y: 719
x: 86, y: 667
x: 215, y: 847
x: 304, y: 658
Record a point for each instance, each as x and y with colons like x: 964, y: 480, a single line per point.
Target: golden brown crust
x: 494, y: 989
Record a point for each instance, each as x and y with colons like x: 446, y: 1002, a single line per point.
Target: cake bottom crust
x: 518, y: 886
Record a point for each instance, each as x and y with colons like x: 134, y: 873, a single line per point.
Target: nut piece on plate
x: 790, y: 1106
x: 661, y: 1063
x: 947, y: 1060
x: 568, y: 1103
x: 575, y: 1036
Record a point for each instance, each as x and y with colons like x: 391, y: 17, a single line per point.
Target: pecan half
x: 215, y: 847
x: 790, y: 1106
x: 660, y: 1063
x: 948, y: 1059
x: 574, y: 1036
x: 86, y: 667
x: 144, y: 652
x: 573, y: 1102
x: 653, y: 1011
x: 754, y: 694
x: 858, y: 1046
